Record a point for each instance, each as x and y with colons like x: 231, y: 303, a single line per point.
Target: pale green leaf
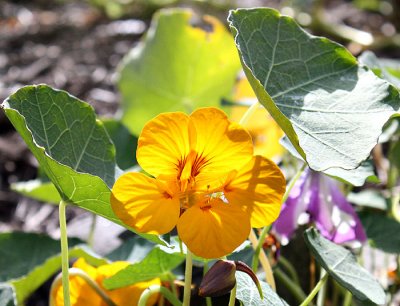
x: 7, y: 295
x: 342, y: 265
x: 331, y: 109
x: 248, y: 294
x: 39, y: 190
x: 178, y: 66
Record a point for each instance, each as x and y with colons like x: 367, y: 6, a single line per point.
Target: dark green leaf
x: 125, y: 143
x: 342, y: 265
x: 177, y: 67
x: 155, y: 264
x: 27, y: 260
x: 248, y: 294
x: 331, y: 109
x: 133, y: 250
x: 382, y: 231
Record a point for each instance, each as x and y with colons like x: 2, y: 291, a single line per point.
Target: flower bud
x: 219, y: 280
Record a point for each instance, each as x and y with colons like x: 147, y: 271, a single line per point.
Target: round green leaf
x: 179, y: 66
x: 331, y: 109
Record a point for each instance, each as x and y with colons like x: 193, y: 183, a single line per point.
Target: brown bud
x: 219, y: 280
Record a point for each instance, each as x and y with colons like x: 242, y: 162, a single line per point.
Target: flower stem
x: 88, y: 280
x: 257, y: 250
x: 348, y: 297
x: 155, y: 289
x: 188, y: 278
x: 289, y: 268
x: 263, y: 260
x: 296, y: 290
x: 322, y: 292
x: 64, y: 252
x: 90, y: 238
x: 249, y: 112
x: 292, y: 182
x: 205, y: 270
x: 313, y: 293
x: 232, y: 297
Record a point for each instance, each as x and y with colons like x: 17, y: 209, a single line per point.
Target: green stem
x: 313, y: 293
x: 90, y: 239
x: 205, y: 270
x: 261, y: 239
x: 232, y: 297
x: 295, y: 289
x: 322, y: 292
x: 248, y: 113
x: 88, y: 280
x: 188, y: 278
x: 292, y: 182
x: 289, y: 268
x: 171, y: 278
x: 64, y: 252
x: 158, y: 289
x: 269, y: 276
x: 348, y: 298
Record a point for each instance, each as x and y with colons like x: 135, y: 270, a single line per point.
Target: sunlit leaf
x: 155, y: 264
x: 248, y: 294
x: 28, y: 260
x: 72, y: 147
x: 386, y: 69
x: 342, y: 265
x: 382, y: 231
x: 39, y: 190
x: 181, y: 64
x: 331, y: 109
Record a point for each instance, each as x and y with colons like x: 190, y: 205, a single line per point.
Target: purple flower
x: 316, y: 198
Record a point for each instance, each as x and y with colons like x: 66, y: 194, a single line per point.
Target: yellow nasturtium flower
x: 82, y: 294
x: 206, y: 182
x: 263, y: 129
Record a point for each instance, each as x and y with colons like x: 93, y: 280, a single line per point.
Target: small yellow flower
x: 82, y: 294
x: 206, y: 182
x: 263, y: 129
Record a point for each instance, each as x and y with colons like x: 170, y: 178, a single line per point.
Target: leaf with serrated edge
x: 155, y: 264
x: 178, y: 66
x: 72, y: 147
x: 331, y: 109
x: 248, y: 294
x: 342, y: 265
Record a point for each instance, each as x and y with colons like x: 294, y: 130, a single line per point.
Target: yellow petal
x: 264, y: 131
x: 221, y: 146
x: 145, y: 204
x: 127, y: 295
x: 214, y: 229
x: 164, y: 144
x: 258, y: 187
x: 81, y: 293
